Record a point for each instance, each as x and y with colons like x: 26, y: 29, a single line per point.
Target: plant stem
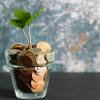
x: 30, y: 41
x: 26, y: 36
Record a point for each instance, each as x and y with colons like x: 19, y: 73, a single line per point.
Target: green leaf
x: 17, y: 23
x: 21, y: 14
x: 24, y: 18
x: 35, y: 16
x: 28, y: 22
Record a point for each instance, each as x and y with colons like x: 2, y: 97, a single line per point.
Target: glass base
x: 22, y: 95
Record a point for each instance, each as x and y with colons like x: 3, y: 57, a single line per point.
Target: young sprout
x: 24, y: 19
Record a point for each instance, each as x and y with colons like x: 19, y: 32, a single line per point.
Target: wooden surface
x: 62, y: 86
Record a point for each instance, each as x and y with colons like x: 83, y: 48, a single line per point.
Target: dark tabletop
x: 62, y: 86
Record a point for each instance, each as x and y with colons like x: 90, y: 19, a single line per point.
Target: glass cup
x: 27, y: 83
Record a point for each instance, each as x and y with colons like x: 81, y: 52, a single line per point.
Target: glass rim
x: 48, y: 65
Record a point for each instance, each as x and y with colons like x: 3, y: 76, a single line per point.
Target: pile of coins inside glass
x: 32, y: 62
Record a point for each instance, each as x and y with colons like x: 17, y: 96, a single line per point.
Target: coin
x: 40, y: 60
x: 26, y: 71
x: 36, y: 77
x: 13, y: 56
x: 18, y: 46
x: 50, y: 56
x: 37, y: 86
x: 26, y: 58
x: 13, y: 51
x: 25, y: 78
x: 41, y: 70
x: 35, y: 50
x: 33, y: 46
x: 44, y: 46
x: 27, y: 46
x: 33, y: 84
x: 14, y: 62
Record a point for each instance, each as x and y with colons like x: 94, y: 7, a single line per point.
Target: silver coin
x: 40, y: 59
x: 50, y: 56
x: 41, y: 70
x: 35, y: 50
x: 13, y: 51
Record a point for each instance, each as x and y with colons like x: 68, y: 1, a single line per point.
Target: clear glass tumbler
x: 23, y: 78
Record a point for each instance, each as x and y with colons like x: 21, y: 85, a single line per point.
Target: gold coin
x: 18, y: 46
x: 44, y: 46
x: 37, y: 86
